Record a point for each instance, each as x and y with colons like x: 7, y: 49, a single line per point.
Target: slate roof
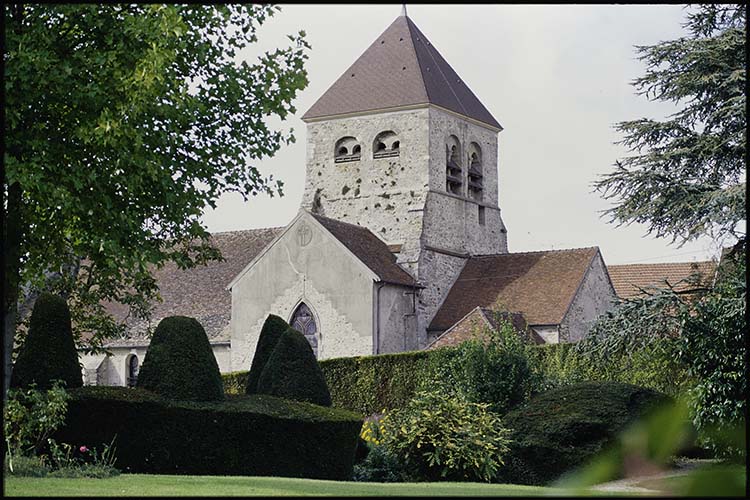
x: 199, y: 292
x: 368, y: 248
x: 539, y: 285
x: 400, y: 68
x: 628, y: 279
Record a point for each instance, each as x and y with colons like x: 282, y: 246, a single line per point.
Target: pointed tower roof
x: 400, y: 68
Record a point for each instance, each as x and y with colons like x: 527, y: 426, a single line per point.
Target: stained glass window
x: 303, y: 322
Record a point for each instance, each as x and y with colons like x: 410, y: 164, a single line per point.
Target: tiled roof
x: 539, y: 285
x: 628, y: 279
x: 199, y: 292
x: 371, y: 250
x: 471, y: 326
x: 400, y: 68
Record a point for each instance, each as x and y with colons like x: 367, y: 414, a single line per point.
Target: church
x: 399, y: 242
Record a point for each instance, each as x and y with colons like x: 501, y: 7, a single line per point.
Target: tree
x: 686, y: 180
x: 122, y: 122
x: 686, y: 176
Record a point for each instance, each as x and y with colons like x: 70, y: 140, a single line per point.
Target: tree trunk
x: 12, y: 232
x: 12, y: 239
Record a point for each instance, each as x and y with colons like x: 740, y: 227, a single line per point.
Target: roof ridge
x: 248, y: 230
x: 534, y: 251
x: 690, y: 262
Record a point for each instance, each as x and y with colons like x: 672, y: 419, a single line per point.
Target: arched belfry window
x: 453, y: 172
x: 304, y: 322
x: 132, y: 369
x: 347, y: 149
x: 386, y: 144
x: 475, y: 171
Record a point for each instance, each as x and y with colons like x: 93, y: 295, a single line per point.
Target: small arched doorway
x: 304, y: 322
x: 132, y: 368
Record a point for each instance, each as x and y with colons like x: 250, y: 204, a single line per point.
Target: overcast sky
x: 555, y: 77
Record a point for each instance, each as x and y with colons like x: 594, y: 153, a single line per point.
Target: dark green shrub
x: 273, y: 328
x: 380, y: 466
x: 561, y: 429
x: 49, y: 351
x: 256, y: 435
x: 292, y: 371
x: 179, y: 362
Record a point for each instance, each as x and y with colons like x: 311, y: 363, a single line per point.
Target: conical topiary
x: 179, y: 362
x: 292, y: 372
x: 49, y: 351
x: 273, y: 328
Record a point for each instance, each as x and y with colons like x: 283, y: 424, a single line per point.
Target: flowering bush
x: 437, y: 436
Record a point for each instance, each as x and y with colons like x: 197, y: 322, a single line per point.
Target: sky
x: 556, y: 77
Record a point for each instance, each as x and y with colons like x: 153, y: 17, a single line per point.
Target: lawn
x: 163, y: 485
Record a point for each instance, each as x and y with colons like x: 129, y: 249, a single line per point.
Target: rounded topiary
x: 179, y: 362
x: 292, y: 372
x: 49, y: 351
x: 273, y: 328
x: 561, y: 429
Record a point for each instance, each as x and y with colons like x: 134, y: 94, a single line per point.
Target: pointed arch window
x: 132, y: 370
x: 304, y: 322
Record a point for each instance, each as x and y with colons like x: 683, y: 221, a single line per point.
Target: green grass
x: 163, y: 485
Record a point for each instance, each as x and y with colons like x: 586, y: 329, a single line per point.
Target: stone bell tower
x: 400, y: 144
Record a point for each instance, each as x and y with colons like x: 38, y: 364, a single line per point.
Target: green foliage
x: 122, y: 123
x: 234, y: 382
x: 76, y: 461
x: 370, y: 384
x: 714, y: 348
x: 685, y: 178
x: 380, y: 466
x: 180, y: 363
x: 561, y: 429
x: 25, y: 466
x: 656, y: 365
x: 256, y: 435
x: 30, y: 416
x: 273, y: 328
x: 652, y: 442
x: 497, y: 372
x: 49, y: 352
x: 437, y: 436
x: 292, y: 371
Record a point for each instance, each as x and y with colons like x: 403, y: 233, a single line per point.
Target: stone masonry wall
x: 594, y: 298
x: 386, y: 195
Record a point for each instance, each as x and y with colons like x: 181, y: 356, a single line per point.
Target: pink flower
x: 83, y: 449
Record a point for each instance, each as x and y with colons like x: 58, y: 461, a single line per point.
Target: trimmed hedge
x: 370, y: 384
x: 273, y: 328
x: 292, y: 371
x: 180, y: 363
x: 561, y: 429
x: 255, y: 435
x: 48, y: 352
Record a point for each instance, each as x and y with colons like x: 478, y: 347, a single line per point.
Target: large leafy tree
x: 122, y: 122
x: 685, y: 177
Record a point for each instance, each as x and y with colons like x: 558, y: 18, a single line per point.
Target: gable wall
x: 595, y: 297
x: 336, y: 287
